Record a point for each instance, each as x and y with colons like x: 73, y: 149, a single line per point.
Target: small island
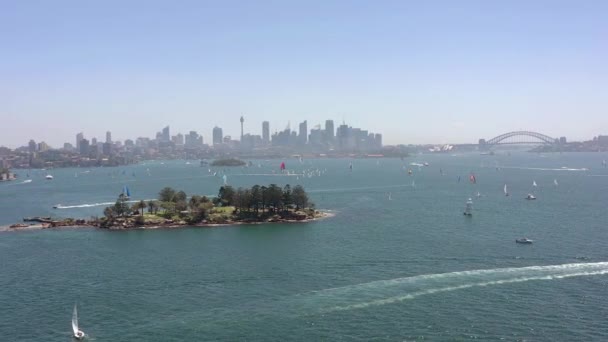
x: 173, y: 208
x: 228, y: 162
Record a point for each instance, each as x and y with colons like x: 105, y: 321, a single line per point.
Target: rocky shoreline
x: 128, y: 223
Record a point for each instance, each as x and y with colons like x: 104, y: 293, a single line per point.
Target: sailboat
x: 468, y: 208
x: 78, y: 334
x: 478, y: 194
x: 125, y: 192
x: 282, y: 167
x: 555, y: 182
x: 390, y: 197
x: 350, y: 166
x: 534, y: 184
x: 505, y: 190
x: 225, y: 179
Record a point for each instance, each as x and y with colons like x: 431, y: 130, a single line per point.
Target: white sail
x: 534, y: 184
x: 505, y: 190
x: 75, y: 321
x: 555, y: 182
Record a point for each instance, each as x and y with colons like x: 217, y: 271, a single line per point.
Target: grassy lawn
x: 223, y: 210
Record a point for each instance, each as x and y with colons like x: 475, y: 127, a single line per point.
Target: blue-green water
x: 409, y: 268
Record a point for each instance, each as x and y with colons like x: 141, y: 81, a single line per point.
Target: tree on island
x: 225, y: 195
x: 228, y: 162
x: 300, y: 198
x: 121, y: 208
x: 153, y: 207
x: 166, y: 194
x: 139, y: 207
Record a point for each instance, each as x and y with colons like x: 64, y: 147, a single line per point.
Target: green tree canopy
x: 166, y: 194
x: 300, y: 198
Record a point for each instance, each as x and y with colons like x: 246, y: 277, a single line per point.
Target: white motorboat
x: 530, y: 197
x: 78, y: 334
x: 524, y: 241
x: 48, y: 177
x: 468, y: 210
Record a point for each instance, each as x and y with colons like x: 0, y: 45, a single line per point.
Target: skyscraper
x: 329, y: 130
x: 32, y: 146
x: 303, y: 134
x: 217, y: 135
x: 266, y: 132
x: 108, y: 137
x: 242, y: 120
x: 79, y: 137
x: 166, y: 136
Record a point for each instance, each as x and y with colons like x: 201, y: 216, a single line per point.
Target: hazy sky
x: 416, y: 71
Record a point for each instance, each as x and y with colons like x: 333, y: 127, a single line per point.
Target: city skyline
x: 434, y: 72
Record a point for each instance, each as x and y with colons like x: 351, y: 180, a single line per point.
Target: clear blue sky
x: 416, y: 71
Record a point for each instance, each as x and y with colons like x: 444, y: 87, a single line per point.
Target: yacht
x: 530, y: 197
x: 523, y: 240
x: 468, y: 208
x: 48, y: 177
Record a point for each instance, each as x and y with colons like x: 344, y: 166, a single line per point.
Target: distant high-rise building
x: 84, y: 147
x: 194, y: 140
x: 378, y: 139
x: 107, y: 148
x: 166, y: 136
x: 31, y: 146
x: 42, y: 146
x: 329, y: 130
x: 316, y: 137
x: 266, y: 132
x: 178, y: 139
x: 94, y: 141
x: 109, y: 137
x: 79, y: 137
x: 242, y: 121
x: 303, y: 136
x: 68, y: 146
x: 217, y: 135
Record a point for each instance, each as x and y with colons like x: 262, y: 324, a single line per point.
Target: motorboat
x: 524, y: 241
x: 468, y: 208
x: 78, y: 334
x: 56, y: 206
x: 530, y: 197
x: 48, y: 177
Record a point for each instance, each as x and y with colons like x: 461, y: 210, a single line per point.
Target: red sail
x: 472, y: 178
x: 283, y: 166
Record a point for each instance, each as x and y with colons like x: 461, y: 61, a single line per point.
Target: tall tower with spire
x: 242, y: 120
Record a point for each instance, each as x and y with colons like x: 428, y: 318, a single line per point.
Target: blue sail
x: 128, y: 192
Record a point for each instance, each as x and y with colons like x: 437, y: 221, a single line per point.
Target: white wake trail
x: 400, y: 289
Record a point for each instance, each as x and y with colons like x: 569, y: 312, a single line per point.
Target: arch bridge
x: 519, y: 137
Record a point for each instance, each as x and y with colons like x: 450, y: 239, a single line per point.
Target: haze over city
x: 432, y: 72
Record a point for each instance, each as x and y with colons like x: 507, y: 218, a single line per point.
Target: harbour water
x: 409, y: 266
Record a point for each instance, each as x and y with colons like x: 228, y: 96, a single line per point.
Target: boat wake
x: 401, y: 289
x: 89, y: 205
x: 544, y: 169
x: 363, y: 188
x: 377, y: 293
